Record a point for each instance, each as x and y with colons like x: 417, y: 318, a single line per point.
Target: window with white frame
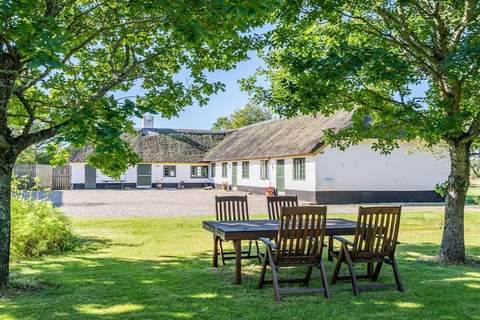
x: 264, y: 172
x: 224, y: 170
x: 299, y: 169
x: 212, y: 169
x: 199, y: 171
x: 245, y: 169
x: 169, y: 171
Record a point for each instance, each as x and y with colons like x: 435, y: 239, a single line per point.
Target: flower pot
x: 269, y: 191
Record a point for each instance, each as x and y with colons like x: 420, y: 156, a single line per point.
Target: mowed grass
x: 473, y: 195
x: 160, y: 268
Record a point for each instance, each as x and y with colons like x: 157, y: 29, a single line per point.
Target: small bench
x: 114, y: 184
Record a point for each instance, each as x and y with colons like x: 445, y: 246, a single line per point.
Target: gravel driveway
x: 149, y: 202
x: 165, y: 202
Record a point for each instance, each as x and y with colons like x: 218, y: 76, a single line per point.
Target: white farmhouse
x: 287, y: 154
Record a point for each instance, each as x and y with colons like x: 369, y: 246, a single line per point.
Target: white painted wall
x: 130, y: 176
x: 305, y: 185
x: 218, y: 179
x: 182, y: 173
x: 359, y: 168
x: 78, y: 173
x: 362, y: 169
x: 254, y: 178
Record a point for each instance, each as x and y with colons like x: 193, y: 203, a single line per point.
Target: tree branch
x: 30, y: 112
x: 469, y: 15
x: 24, y: 141
x: 374, y: 30
x: 47, y: 70
x: 474, y: 131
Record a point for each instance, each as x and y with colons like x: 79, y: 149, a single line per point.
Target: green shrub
x: 441, y: 189
x: 476, y: 199
x: 38, y: 228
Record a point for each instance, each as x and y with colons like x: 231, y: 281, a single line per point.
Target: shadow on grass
x: 187, y: 287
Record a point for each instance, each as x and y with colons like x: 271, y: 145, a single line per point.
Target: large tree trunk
x: 453, y: 244
x: 6, y: 168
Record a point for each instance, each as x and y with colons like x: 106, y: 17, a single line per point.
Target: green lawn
x: 160, y: 268
x: 474, y: 191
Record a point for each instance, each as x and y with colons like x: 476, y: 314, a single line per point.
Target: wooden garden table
x: 255, y: 229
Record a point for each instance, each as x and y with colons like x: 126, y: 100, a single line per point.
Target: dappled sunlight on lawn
x: 96, y: 309
x: 409, y: 305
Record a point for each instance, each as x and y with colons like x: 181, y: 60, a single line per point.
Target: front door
x: 281, y: 176
x: 90, y: 177
x: 234, y: 174
x: 144, y: 175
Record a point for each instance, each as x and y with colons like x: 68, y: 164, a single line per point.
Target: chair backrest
x: 231, y: 208
x: 301, y: 233
x: 275, y: 204
x: 377, y: 232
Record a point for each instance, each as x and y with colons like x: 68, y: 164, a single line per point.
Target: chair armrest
x: 269, y: 243
x: 343, y: 240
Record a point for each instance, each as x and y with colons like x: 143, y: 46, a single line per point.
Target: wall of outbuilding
x: 129, y: 177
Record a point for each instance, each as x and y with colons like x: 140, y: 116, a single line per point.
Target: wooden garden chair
x: 233, y: 208
x: 275, y: 204
x: 375, y: 242
x: 299, y: 243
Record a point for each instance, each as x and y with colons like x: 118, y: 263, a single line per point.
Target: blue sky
x: 221, y: 104
x: 224, y: 103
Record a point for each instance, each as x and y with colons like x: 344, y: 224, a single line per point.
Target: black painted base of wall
x: 348, y: 197
x: 320, y: 197
x: 251, y: 189
x: 187, y: 185
x: 352, y: 197
x: 77, y: 186
x: 309, y: 196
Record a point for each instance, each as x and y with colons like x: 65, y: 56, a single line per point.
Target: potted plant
x: 225, y: 185
x: 269, y: 191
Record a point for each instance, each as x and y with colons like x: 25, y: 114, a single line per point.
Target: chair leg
x: 249, y: 248
x: 352, y: 272
x: 323, y: 274
x: 338, y: 267
x: 262, y: 273
x: 377, y: 271
x: 258, y: 252
x: 276, y: 286
x: 221, y: 252
x: 396, y: 273
x: 308, y: 275
x: 370, y: 269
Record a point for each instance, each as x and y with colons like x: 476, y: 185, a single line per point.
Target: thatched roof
x: 273, y: 138
x: 277, y: 138
x: 166, y: 145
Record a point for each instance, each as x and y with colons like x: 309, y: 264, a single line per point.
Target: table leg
x: 215, y: 251
x: 238, y: 261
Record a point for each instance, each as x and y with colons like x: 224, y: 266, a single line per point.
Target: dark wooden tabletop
x: 254, y: 229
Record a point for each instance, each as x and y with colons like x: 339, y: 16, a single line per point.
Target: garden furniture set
x: 295, y: 236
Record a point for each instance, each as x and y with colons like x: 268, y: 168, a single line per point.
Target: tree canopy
x: 242, y: 117
x: 66, y: 68
x: 366, y: 57
x: 63, y: 65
